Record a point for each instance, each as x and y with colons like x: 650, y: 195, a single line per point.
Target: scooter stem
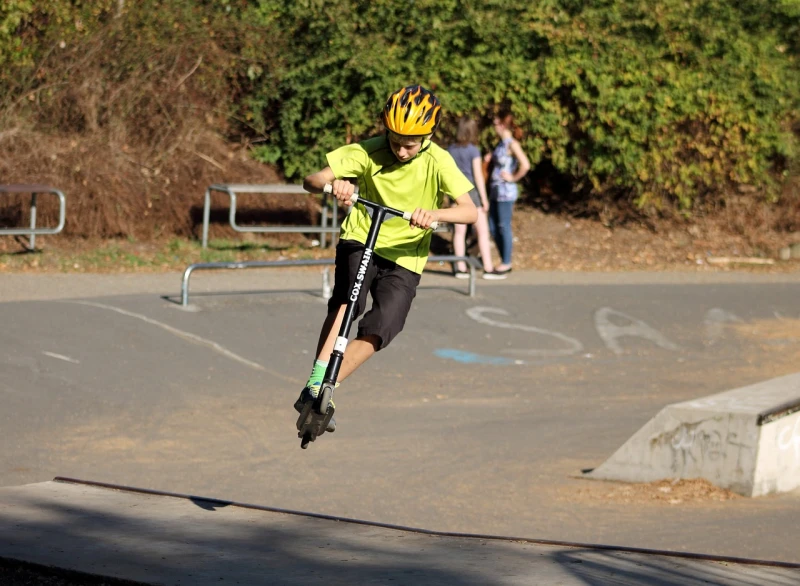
x: 379, y: 214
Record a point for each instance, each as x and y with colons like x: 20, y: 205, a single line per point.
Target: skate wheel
x: 324, y: 401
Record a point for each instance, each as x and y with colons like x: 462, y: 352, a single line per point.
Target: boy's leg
x: 393, y: 290
x: 330, y: 328
x: 348, y: 257
x: 357, y: 353
x: 329, y: 331
x: 348, y: 260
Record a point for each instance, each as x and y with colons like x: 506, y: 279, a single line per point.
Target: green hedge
x: 666, y: 103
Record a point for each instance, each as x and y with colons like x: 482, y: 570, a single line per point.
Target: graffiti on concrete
x: 571, y: 345
x: 789, y: 438
x: 715, y: 323
x: 703, y: 448
x: 611, y: 332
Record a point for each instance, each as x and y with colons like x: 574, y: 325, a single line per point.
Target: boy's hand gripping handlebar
x: 328, y: 189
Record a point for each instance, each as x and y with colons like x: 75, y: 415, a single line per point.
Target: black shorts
x: 392, y: 288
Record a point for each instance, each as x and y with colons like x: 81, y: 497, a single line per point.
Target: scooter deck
x: 311, y: 424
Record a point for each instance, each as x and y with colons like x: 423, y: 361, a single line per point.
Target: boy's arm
x: 315, y: 182
x: 464, y: 212
x: 342, y: 189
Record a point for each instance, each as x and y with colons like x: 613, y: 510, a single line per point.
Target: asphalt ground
x: 102, y: 535
x: 479, y: 418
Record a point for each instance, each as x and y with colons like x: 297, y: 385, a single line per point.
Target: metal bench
x: 33, y: 231
x: 231, y: 190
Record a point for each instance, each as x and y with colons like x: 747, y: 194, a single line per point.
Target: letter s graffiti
x: 573, y: 345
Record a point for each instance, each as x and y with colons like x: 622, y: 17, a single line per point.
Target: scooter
x: 316, y: 415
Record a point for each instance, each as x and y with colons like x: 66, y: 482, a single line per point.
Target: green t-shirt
x: 421, y: 182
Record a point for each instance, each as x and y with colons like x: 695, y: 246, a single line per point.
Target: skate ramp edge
x: 746, y: 440
x: 150, y: 537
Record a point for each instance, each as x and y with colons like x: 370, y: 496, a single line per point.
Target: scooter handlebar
x: 328, y: 189
x: 407, y: 218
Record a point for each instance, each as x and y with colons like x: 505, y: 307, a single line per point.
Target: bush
x: 659, y: 104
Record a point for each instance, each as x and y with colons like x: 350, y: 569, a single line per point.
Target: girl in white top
x: 509, y: 165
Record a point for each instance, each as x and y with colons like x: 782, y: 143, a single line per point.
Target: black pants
x: 392, y: 287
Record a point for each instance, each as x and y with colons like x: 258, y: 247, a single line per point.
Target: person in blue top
x: 468, y: 158
x: 509, y: 165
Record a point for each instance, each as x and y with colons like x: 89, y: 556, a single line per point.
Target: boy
x: 404, y: 170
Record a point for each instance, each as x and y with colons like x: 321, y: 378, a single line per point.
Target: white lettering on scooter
x: 362, y: 271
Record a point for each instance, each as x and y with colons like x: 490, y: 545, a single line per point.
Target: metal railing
x: 472, y: 262
x: 33, y: 231
x: 233, y: 189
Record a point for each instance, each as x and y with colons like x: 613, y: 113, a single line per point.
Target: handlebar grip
x: 407, y: 217
x: 328, y: 189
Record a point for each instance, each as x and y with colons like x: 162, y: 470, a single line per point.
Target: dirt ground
x: 663, y: 492
x: 562, y: 243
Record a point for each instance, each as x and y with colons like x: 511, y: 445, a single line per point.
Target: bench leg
x: 206, y: 217
x: 32, y: 237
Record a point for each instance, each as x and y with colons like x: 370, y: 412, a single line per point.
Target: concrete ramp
x: 159, y: 538
x: 746, y: 440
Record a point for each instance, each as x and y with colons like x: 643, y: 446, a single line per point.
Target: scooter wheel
x: 324, y: 401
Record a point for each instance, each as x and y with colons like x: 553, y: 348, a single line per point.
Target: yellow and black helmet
x: 412, y: 111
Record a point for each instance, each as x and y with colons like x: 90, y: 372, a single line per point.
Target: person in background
x: 468, y: 158
x: 509, y: 165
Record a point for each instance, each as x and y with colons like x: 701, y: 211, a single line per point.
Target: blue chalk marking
x: 472, y: 358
